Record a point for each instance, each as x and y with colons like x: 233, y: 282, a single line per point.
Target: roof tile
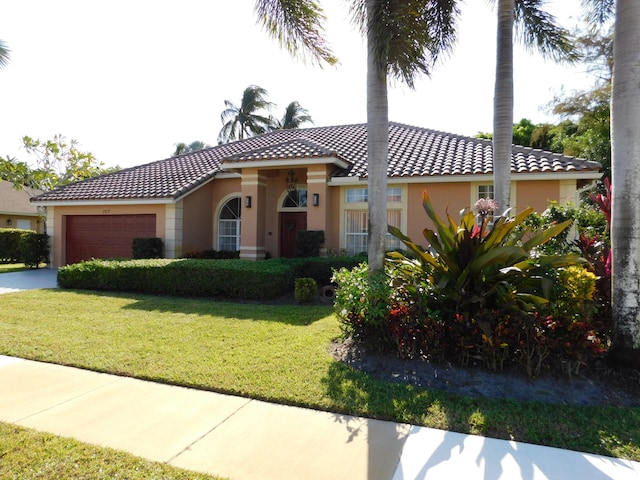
x: 413, y: 152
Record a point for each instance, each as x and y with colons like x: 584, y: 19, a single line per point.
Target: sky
x: 128, y: 79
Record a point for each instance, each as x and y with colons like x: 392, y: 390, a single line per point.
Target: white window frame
x: 237, y: 222
x: 395, y: 205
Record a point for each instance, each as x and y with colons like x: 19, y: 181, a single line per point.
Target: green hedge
x: 147, y: 247
x: 321, y: 268
x: 23, y: 246
x: 232, y: 278
x: 204, y: 278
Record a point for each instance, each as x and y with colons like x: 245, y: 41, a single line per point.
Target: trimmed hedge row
x: 202, y: 278
x: 23, y: 246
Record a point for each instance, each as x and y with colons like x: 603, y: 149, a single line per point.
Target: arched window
x: 296, y: 199
x: 229, y: 226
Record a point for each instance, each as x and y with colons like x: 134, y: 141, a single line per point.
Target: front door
x: 290, y: 223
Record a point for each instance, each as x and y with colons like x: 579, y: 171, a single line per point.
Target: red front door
x: 290, y: 223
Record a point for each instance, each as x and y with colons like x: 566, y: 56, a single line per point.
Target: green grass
x: 280, y: 354
x: 27, y: 454
x: 12, y: 267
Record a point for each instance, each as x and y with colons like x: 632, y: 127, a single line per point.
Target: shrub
x: 306, y: 289
x: 321, y: 268
x: 24, y: 246
x: 152, y: 247
x: 34, y: 249
x: 10, y: 244
x: 308, y: 243
x: 213, y: 254
x: 362, y: 306
x: 231, y: 278
x: 474, y: 268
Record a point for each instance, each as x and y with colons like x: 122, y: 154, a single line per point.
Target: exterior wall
x: 537, y: 194
x: 451, y: 197
x: 333, y: 237
x: 36, y: 222
x: 55, y: 223
x: 197, y: 220
x: 191, y: 224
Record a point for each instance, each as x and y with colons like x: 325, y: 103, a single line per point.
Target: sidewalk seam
x: 215, y: 427
x: 80, y: 395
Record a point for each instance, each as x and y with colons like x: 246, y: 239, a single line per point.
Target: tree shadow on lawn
x: 601, y: 430
x: 279, y: 310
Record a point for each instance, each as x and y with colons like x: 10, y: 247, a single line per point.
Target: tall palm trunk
x: 377, y: 148
x: 625, y: 227
x: 503, y: 106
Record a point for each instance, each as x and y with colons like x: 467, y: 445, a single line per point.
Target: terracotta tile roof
x: 413, y: 152
x: 292, y: 149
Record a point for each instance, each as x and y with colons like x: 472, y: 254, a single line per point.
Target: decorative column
x: 253, y: 212
x: 317, y: 200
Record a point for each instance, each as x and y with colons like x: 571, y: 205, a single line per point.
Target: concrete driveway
x: 28, y: 280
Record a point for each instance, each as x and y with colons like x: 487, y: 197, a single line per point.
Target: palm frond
x: 598, y: 11
x: 409, y: 35
x: 537, y: 29
x: 298, y: 27
x: 5, y: 54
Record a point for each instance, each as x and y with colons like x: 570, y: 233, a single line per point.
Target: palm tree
x: 404, y: 39
x: 537, y: 29
x: 182, y: 148
x: 294, y: 117
x: 247, y: 119
x: 625, y: 166
x: 5, y: 54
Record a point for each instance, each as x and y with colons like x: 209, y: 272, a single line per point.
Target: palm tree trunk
x: 625, y: 225
x: 503, y: 106
x: 377, y: 149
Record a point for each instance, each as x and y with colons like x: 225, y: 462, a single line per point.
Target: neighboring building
x: 16, y: 211
x: 253, y: 195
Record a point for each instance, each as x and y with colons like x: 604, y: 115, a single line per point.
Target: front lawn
x: 277, y: 353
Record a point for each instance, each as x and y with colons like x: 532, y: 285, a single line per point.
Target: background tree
x: 5, y: 54
x: 53, y: 163
x: 586, y: 130
x: 250, y: 118
x: 182, y: 148
x: 536, y: 29
x: 294, y: 116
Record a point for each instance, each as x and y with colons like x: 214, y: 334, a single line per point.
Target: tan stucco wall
x: 191, y: 224
x: 537, y: 194
x: 451, y: 197
x: 197, y: 217
x: 36, y: 222
x: 55, y: 222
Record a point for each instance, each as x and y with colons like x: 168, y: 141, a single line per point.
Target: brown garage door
x: 105, y: 236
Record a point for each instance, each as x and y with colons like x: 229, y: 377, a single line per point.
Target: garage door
x: 105, y: 236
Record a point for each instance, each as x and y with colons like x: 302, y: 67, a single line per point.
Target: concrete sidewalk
x: 242, y: 439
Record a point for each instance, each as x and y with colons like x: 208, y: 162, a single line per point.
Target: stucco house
x: 16, y: 210
x: 253, y: 195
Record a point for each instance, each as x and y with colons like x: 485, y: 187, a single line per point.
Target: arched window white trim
x: 295, y: 201
x: 229, y: 224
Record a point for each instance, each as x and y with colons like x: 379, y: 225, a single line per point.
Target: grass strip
x: 277, y: 353
x: 27, y: 454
